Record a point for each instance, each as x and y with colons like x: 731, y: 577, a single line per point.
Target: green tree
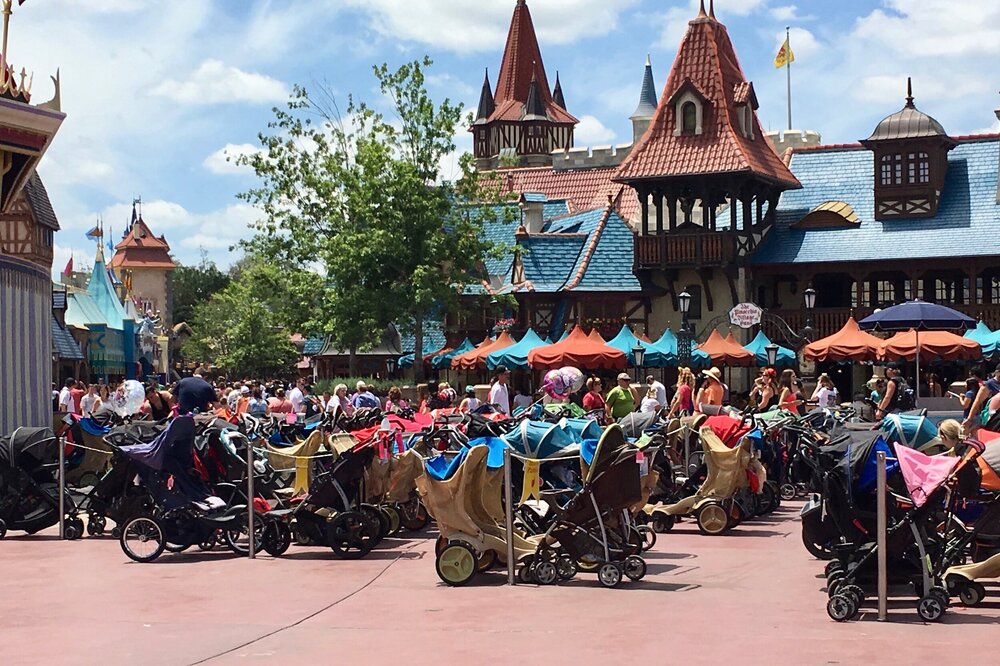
x: 357, y: 211
x: 239, y: 330
x: 193, y: 285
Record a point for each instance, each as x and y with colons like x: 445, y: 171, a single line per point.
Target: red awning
x: 933, y: 345
x: 726, y: 351
x: 476, y: 359
x: 848, y: 344
x: 580, y: 350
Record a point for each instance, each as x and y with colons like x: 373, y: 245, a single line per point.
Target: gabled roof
x: 38, y: 199
x: 583, y: 189
x: 63, y: 344
x: 82, y: 311
x: 968, y: 215
x: 141, y: 249
x: 522, y: 61
x: 706, y: 61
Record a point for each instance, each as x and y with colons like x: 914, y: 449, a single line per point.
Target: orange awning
x: 850, y: 343
x: 596, y: 336
x: 476, y: 359
x: 725, y: 351
x: 933, y: 345
x: 577, y: 349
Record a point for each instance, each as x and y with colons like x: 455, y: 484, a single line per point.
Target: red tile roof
x: 522, y: 59
x: 583, y: 189
x: 707, y: 61
x: 141, y: 249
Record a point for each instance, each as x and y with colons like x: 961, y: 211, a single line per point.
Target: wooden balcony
x: 684, y: 249
x: 826, y: 321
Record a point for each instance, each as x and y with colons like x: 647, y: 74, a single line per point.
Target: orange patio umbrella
x: 476, y: 359
x: 726, y: 351
x: 577, y: 349
x: 933, y: 345
x: 850, y: 343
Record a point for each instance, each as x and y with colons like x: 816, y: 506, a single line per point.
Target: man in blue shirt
x: 364, y: 397
x: 993, y: 383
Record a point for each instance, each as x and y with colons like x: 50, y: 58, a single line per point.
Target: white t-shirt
x: 661, y: 393
x: 500, y: 397
x: 66, y: 401
x: 649, y: 405
x: 88, y: 403
x: 232, y: 399
x: 522, y: 401
x: 295, y: 397
x: 826, y: 397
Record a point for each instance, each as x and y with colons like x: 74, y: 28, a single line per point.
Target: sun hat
x: 714, y: 373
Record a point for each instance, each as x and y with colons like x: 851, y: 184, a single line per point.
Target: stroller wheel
x: 972, y: 594
x: 379, y: 521
x: 856, y: 594
x: 3, y: 529
x: 456, y: 565
x: 841, y: 608
x: 207, y: 544
x: 525, y: 575
x: 635, y: 567
x: 663, y: 523
x: 735, y: 513
x: 610, y: 574
x: 142, y: 539
x: 349, y: 536
x: 787, y: 492
x: 73, y: 529
x: 392, y: 515
x: 546, y: 572
x: 566, y: 567
x: 116, y: 532
x: 486, y: 561
x: 96, y: 525
x: 713, y: 519
x: 176, y: 548
x: 931, y: 607
x: 648, y: 536
x: 277, y: 538
x: 238, y: 540
x: 415, y: 518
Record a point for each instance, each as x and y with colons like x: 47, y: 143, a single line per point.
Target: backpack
x: 904, y: 397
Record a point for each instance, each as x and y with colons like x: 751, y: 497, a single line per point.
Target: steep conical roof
x: 103, y: 294
x: 557, y: 94
x: 706, y: 64
x: 647, y: 96
x: 522, y: 62
x: 486, y: 104
x: 534, y: 108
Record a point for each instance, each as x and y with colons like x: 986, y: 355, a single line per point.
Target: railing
x: 826, y: 321
x: 698, y: 249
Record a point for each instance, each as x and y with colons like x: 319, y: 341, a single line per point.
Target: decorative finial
x: 701, y: 10
x: 711, y: 9
x: 909, y: 92
x: 649, y: 63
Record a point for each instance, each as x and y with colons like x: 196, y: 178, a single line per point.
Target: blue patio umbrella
x: 920, y: 316
x: 443, y: 361
x: 758, y: 347
x: 987, y: 339
x: 626, y: 341
x: 515, y: 356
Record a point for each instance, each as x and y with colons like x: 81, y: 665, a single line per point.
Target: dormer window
x: 892, y: 169
x: 689, y: 118
x: 918, y: 168
x: 689, y: 110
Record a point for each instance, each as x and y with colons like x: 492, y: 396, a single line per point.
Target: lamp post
x: 772, y: 354
x: 639, y: 353
x: 683, y: 338
x: 390, y: 366
x: 810, y: 299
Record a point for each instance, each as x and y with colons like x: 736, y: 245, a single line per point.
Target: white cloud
x: 675, y: 20
x: 785, y: 13
x: 468, y: 26
x: 223, y: 162
x: 214, y: 82
x: 945, y: 27
x: 592, y: 132
x: 804, y: 43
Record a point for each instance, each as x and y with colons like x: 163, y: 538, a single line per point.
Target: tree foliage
x: 193, y: 285
x: 238, y: 329
x: 356, y: 215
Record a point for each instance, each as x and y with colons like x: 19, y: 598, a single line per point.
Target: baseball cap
x: 625, y: 377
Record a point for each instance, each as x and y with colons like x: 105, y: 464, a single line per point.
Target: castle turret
x: 643, y: 114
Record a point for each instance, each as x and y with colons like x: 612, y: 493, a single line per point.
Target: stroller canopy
x: 175, y: 443
x: 915, y: 432
x: 515, y: 356
x: 29, y: 448
x: 540, y: 440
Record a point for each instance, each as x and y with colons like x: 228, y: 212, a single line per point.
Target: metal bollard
x: 883, y: 601
x: 250, y: 511
x: 62, y: 488
x: 509, y: 499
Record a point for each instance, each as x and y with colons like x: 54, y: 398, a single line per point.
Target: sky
x: 158, y: 92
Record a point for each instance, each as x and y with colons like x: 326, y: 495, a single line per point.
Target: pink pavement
x: 752, y: 597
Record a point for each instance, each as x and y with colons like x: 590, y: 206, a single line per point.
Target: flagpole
x: 788, y: 71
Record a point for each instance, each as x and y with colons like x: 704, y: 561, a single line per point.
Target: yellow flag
x: 532, y: 482
x: 785, y: 55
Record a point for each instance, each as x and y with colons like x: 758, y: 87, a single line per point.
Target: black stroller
x: 185, y: 512
x: 29, y: 485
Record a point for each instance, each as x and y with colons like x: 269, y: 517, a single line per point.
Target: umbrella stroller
x: 29, y: 487
x: 593, y: 531
x: 915, y: 431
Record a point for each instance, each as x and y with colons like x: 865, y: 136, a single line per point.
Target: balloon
x: 128, y: 398
x: 573, y: 377
x: 559, y: 384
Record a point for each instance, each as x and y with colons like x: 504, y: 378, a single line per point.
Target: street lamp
x: 683, y: 339
x: 810, y: 299
x: 390, y: 366
x: 639, y: 352
x: 772, y: 354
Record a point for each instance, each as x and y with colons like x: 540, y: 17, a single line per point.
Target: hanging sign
x: 745, y: 315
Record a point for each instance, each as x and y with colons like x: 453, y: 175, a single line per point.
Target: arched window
x: 689, y: 118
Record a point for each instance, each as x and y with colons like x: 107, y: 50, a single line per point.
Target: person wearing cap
x: 661, y: 390
x: 364, y: 398
x: 470, y: 402
x: 711, y: 392
x: 622, y: 399
x: 499, y: 395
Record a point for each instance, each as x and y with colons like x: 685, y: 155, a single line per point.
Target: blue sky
x: 156, y: 91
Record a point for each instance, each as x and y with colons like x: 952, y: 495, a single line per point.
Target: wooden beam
x: 658, y: 202
x: 672, y: 212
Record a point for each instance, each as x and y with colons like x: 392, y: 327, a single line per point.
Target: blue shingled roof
x: 434, y: 338
x: 968, y: 218
x: 313, y: 345
x: 550, y: 258
x: 610, y: 264
x: 63, y: 344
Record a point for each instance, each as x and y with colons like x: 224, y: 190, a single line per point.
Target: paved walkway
x: 753, y: 597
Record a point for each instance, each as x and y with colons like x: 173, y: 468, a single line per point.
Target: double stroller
x: 184, y: 512
x: 29, y: 484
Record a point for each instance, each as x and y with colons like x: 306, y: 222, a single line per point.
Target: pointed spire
x: 711, y: 9
x: 486, y: 104
x: 557, y: 94
x: 535, y: 106
x: 701, y: 10
x: 909, y: 93
x: 647, y: 96
x: 522, y: 60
